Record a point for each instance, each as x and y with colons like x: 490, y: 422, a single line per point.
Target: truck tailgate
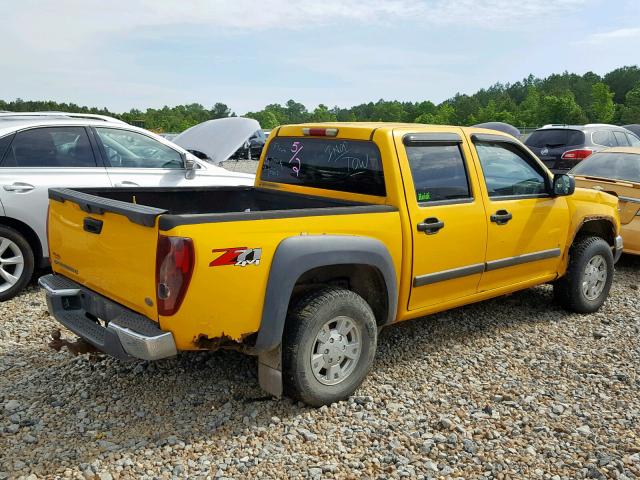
x: 106, y: 245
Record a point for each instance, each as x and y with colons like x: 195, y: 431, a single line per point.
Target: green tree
x: 561, y: 109
x: 601, y: 108
x: 322, y: 114
x: 528, y: 114
x: 296, y: 112
x: 265, y: 118
x: 630, y: 111
x: 443, y: 116
x: 621, y: 81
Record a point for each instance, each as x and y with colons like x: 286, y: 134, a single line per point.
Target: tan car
x: 617, y: 171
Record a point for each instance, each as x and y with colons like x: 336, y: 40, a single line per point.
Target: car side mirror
x: 563, y: 185
x: 190, y: 166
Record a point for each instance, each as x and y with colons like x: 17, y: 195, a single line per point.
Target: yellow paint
x: 228, y: 300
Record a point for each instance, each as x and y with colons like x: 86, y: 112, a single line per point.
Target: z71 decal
x: 238, y: 256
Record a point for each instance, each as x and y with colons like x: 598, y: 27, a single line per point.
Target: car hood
x: 218, y: 139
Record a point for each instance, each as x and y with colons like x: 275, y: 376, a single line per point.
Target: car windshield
x: 555, y: 137
x: 617, y: 166
x: 344, y: 165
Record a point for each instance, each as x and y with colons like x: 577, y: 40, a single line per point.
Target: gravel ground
x: 244, y: 166
x: 510, y: 388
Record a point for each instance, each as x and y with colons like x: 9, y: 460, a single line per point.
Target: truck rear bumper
x: 106, y: 325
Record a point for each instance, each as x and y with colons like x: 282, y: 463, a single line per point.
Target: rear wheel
x: 589, y: 275
x: 328, y: 346
x: 16, y: 263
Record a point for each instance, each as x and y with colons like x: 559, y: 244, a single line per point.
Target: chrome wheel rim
x: 11, y: 264
x: 595, y: 277
x: 336, y: 350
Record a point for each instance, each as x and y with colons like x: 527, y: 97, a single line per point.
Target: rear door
x: 527, y: 227
x: 448, y: 221
x: 44, y: 157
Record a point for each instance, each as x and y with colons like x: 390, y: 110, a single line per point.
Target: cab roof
x: 368, y: 128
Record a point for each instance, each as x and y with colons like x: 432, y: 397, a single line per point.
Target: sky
x: 247, y: 54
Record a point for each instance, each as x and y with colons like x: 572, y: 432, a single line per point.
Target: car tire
x: 329, y: 344
x: 587, y: 282
x: 16, y: 262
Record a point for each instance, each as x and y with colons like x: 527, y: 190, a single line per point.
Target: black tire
x: 26, y: 251
x: 304, y: 323
x: 568, y: 290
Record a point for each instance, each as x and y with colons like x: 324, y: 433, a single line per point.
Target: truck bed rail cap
x: 140, y: 214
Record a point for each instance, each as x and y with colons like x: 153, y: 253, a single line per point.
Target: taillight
x: 578, y: 154
x: 174, y: 266
x: 320, y: 132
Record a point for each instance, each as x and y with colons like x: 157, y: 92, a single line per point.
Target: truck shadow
x: 124, y: 408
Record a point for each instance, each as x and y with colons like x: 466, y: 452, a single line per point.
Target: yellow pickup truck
x: 350, y: 227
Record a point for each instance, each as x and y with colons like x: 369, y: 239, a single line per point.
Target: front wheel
x: 16, y: 263
x: 329, y: 344
x: 585, y: 286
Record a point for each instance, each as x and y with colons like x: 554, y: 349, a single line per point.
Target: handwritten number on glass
x: 296, y: 148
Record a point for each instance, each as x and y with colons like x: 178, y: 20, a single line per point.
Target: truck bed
x: 179, y: 206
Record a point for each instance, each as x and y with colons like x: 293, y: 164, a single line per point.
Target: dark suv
x: 560, y: 147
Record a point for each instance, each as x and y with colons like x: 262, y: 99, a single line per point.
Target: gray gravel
x: 243, y: 166
x: 510, y: 388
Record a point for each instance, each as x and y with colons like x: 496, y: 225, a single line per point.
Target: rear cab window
x: 353, y: 166
x: 555, y: 137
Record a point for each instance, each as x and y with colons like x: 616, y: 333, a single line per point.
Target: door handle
x: 430, y: 226
x: 19, y: 187
x: 501, y: 217
x: 92, y: 225
x: 127, y: 183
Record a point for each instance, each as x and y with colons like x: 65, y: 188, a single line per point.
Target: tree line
x: 559, y: 98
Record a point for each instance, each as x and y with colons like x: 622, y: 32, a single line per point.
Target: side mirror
x: 563, y: 185
x: 190, y: 166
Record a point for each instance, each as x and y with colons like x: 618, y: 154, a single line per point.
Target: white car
x: 42, y: 150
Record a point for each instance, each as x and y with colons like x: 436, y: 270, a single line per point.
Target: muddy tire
x: 586, y: 285
x: 16, y: 263
x: 329, y: 345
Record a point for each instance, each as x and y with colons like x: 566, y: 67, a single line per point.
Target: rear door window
x: 555, y: 137
x: 621, y: 138
x: 50, y: 147
x: 438, y: 173
x: 345, y: 165
x: 603, y: 138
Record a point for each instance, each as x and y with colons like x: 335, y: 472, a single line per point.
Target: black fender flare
x: 296, y: 255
